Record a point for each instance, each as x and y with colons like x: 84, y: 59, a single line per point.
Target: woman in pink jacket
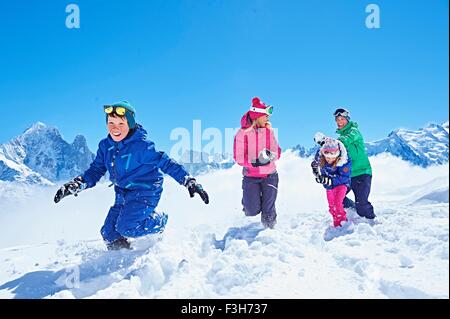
x: 256, y: 149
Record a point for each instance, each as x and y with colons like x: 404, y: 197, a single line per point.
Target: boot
x: 117, y: 244
x: 348, y: 203
x: 337, y: 221
x: 268, y: 221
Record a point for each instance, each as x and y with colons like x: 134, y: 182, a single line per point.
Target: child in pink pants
x: 335, y: 197
x: 335, y: 171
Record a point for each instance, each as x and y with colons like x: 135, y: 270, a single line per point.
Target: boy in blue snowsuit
x: 134, y: 168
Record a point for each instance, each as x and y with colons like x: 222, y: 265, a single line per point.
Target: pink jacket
x: 248, y: 143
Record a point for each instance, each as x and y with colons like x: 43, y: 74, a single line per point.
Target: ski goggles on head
x: 341, y: 112
x: 119, y: 110
x: 268, y: 110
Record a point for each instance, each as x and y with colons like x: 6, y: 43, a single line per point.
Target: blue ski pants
x: 133, y: 215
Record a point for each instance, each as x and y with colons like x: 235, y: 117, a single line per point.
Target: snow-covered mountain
x: 40, y: 155
x: 445, y: 126
x: 198, y: 163
x: 304, y: 152
x: 11, y: 171
x: 424, y: 147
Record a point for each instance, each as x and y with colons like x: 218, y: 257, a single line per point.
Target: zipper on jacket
x: 113, y: 164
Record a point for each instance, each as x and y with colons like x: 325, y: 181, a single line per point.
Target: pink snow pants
x: 335, y: 197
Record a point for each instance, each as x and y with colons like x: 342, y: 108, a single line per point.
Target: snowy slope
x: 215, y: 252
x: 42, y: 151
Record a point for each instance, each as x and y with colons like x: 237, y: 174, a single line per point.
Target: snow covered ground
x: 55, y: 251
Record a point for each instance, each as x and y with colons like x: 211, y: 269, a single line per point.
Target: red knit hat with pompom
x: 256, y: 103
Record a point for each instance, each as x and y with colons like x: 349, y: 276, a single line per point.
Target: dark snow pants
x: 259, y: 196
x: 133, y: 215
x: 348, y: 203
x: 361, y: 188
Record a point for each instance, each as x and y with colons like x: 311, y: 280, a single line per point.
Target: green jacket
x: 353, y: 141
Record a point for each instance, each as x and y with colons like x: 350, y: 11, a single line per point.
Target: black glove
x: 325, y: 180
x: 315, y: 168
x: 71, y: 188
x: 264, y: 158
x: 194, y: 187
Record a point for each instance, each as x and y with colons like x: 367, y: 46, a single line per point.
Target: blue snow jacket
x: 340, y: 175
x: 133, y: 164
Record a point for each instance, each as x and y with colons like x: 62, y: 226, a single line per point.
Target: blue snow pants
x: 133, y: 215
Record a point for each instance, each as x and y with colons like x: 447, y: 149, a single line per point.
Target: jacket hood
x: 344, y: 156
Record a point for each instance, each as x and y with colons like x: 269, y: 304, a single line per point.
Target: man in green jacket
x: 361, y: 178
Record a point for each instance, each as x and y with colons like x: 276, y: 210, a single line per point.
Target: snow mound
x: 435, y: 191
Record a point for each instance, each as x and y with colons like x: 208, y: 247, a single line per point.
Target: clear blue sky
x: 177, y: 61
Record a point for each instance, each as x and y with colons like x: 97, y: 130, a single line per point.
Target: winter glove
x: 315, y: 168
x: 71, y: 188
x: 265, y: 157
x: 194, y: 187
x: 325, y: 180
